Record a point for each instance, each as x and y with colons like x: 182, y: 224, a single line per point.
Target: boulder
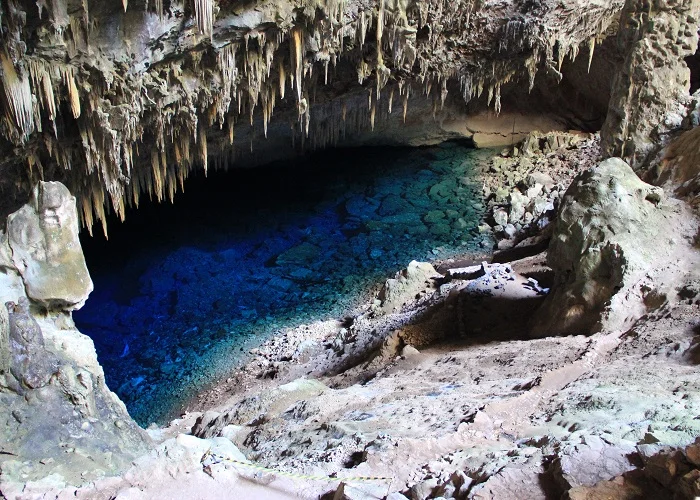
x: 43, y: 236
x: 611, y: 232
x: 407, y: 283
x: 518, y: 202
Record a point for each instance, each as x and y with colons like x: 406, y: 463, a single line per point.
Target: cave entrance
x: 183, y: 291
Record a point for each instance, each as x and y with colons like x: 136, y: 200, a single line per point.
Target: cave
x: 349, y: 250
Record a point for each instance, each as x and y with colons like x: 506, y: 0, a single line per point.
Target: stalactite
x: 155, y: 171
x: 497, y: 103
x: 297, y: 58
x: 531, y: 66
x: 381, y: 70
x: 17, y: 97
x: 362, y: 28
x: 204, y: 12
x: 135, y: 189
x: 405, y: 105
x: 282, y: 76
x: 203, y: 152
x: 41, y: 79
x: 226, y: 60
x: 111, y: 156
x: 68, y: 74
x: 86, y: 207
x: 591, y: 50
x: 443, y: 93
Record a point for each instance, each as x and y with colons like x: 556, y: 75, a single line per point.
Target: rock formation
x: 43, y: 239
x: 608, y: 243
x: 651, y: 89
x: 120, y: 100
x: 57, y: 416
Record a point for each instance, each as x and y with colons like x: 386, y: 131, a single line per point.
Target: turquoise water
x: 183, y: 291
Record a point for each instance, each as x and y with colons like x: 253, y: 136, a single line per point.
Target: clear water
x: 183, y: 291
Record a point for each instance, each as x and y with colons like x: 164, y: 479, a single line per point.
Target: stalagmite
x: 391, y: 99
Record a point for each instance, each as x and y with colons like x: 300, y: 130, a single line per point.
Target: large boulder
x: 612, y: 232
x: 43, y: 236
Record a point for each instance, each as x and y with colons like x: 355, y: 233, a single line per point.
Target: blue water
x: 183, y: 291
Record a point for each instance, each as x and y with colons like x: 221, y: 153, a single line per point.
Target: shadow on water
x: 183, y: 290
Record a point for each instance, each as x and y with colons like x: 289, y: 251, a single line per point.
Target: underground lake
x: 183, y: 291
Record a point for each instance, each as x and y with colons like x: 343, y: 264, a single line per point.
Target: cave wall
x: 651, y: 90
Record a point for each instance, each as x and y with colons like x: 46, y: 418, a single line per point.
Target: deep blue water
x: 183, y: 291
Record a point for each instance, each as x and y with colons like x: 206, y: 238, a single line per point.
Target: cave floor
x: 524, y: 418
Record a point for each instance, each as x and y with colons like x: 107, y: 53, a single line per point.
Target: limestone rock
x: 58, y: 409
x: 4, y: 345
x: 43, y: 236
x: 610, y: 232
x: 31, y: 365
x: 592, y: 462
x: 56, y: 412
x: 650, y: 91
x: 407, y: 283
x: 680, y: 169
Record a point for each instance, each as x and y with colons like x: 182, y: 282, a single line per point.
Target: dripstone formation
x: 124, y: 99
